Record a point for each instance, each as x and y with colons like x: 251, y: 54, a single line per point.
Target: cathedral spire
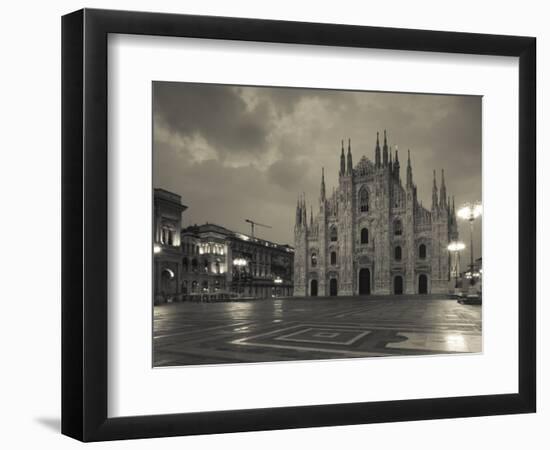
x: 298, y: 212
x: 342, y: 161
x: 323, y: 190
x: 385, y: 150
x: 409, y: 169
x: 304, y: 210
x: 311, y: 218
x: 434, y: 194
x: 350, y: 162
x: 377, y: 151
x: 396, y: 165
x: 443, y: 191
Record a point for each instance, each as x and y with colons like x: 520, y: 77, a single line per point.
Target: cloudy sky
x: 236, y: 152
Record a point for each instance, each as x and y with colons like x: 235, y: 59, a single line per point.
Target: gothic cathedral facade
x: 372, y: 235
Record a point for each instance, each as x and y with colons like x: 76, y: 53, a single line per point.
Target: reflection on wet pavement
x: 305, y: 329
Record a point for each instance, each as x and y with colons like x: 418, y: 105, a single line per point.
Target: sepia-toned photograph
x: 294, y: 224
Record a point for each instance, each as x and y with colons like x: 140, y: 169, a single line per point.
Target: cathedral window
x: 313, y: 259
x: 333, y: 258
x: 363, y: 200
x: 333, y: 234
x: 364, y: 236
x: 397, y: 228
x: 185, y: 263
x: 397, y: 253
x: 194, y: 264
x: 422, y: 251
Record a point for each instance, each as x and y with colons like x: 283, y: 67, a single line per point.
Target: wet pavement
x: 305, y: 329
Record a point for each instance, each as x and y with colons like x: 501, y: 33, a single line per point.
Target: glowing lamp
x: 456, y: 246
x: 470, y: 211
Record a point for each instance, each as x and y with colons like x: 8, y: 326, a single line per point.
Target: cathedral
x: 372, y: 235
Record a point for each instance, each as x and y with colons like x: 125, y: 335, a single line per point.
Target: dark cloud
x: 287, y: 175
x: 217, y: 113
x: 239, y: 152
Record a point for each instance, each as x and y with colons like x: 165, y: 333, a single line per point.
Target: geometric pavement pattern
x: 312, y: 329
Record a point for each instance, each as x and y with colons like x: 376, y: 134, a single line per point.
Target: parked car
x: 472, y: 296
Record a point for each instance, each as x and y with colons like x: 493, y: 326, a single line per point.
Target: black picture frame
x: 84, y: 224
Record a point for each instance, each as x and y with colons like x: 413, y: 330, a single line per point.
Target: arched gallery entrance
x: 168, y: 286
x: 398, y: 285
x: 423, y: 284
x: 314, y: 288
x: 333, y: 287
x: 364, y: 282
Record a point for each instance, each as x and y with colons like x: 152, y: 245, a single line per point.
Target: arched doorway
x: 364, y: 282
x: 423, y: 284
x: 333, y: 287
x: 313, y: 290
x: 398, y: 285
x: 168, y: 284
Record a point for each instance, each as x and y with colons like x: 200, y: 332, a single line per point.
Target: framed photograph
x: 273, y: 224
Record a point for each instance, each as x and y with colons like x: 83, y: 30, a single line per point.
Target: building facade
x: 219, y: 263
x: 372, y: 235
x: 210, y: 262
x: 167, y: 264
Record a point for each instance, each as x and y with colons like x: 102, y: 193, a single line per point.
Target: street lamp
x: 157, y: 248
x: 470, y: 212
x: 455, y: 247
x: 278, y: 281
x: 240, y: 263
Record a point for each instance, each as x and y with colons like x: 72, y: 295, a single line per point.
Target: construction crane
x: 252, y: 224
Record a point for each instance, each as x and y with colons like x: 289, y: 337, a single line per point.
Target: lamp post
x: 240, y: 263
x: 456, y: 247
x: 278, y: 281
x: 470, y: 212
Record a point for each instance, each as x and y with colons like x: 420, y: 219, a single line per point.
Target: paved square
x: 324, y: 336
x: 307, y: 329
